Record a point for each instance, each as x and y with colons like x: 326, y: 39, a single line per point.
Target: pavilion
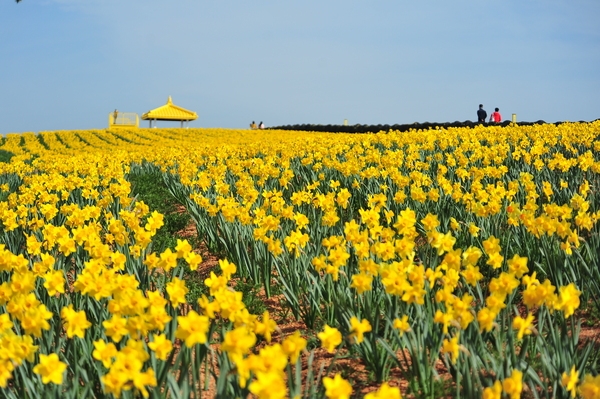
x: 169, y: 112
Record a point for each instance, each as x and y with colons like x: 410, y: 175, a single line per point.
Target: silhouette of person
x: 481, y: 114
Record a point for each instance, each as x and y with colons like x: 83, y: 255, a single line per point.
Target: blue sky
x: 66, y: 64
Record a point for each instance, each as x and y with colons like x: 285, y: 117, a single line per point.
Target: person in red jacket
x: 495, y: 116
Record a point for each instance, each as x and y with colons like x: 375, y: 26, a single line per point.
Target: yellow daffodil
x: 337, y: 387
x: 330, y: 338
x: 50, y: 368
x: 569, y: 381
x: 359, y: 328
x: 513, y: 385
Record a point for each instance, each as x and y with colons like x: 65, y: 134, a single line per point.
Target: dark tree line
x: 398, y: 127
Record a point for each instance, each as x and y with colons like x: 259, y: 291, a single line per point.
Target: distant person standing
x: 253, y: 125
x: 495, y: 116
x: 261, y: 125
x: 115, y: 114
x: 481, y: 114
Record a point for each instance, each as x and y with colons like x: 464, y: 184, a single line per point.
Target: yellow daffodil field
x: 445, y: 262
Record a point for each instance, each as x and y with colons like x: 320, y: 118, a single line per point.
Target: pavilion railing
x: 125, y: 119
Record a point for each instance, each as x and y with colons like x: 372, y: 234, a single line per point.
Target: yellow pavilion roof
x: 170, y: 112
